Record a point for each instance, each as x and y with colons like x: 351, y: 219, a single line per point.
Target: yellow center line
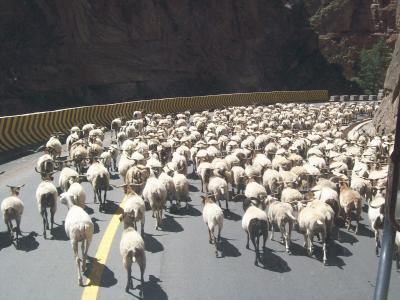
x: 93, y: 282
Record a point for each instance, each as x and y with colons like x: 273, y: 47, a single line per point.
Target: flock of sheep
x: 290, y: 164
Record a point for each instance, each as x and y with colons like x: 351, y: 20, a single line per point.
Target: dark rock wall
x: 60, y: 53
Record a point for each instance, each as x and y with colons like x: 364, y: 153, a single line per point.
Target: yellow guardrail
x: 22, y: 130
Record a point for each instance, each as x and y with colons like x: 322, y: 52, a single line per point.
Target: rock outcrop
x: 58, y: 53
x: 384, y: 120
x: 345, y: 27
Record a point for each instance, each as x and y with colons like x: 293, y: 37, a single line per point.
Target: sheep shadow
x: 88, y: 210
x: 344, y: 237
x: 193, y: 188
x: 363, y: 230
x: 151, y: 244
x: 230, y: 215
x: 28, y: 242
x: 153, y: 290
x: 96, y: 228
x: 111, y: 208
x: 190, y: 211
x: 5, y: 240
x: 297, y: 250
x: 58, y: 233
x: 272, y: 262
x: 193, y: 176
x: 332, y: 258
x: 227, y: 249
x: 99, y: 274
x: 170, y: 224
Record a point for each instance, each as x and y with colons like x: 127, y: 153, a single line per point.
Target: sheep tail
x: 10, y: 212
x: 132, y: 254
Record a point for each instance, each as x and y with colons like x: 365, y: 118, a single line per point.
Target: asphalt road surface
x: 180, y: 262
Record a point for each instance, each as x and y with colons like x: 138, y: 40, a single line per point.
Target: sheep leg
x: 324, y: 247
x: 209, y: 234
x: 377, y: 242
x: 44, y: 213
x: 348, y: 220
x: 52, y: 212
x: 247, y: 243
x: 78, y: 262
x: 95, y: 194
x: 141, y: 266
x: 215, y: 242
x: 226, y: 200
x: 273, y: 232
x: 358, y: 220
x: 265, y: 237
x: 305, y: 240
x: 284, y: 236
x: 129, y: 283
x: 142, y: 228
x: 219, y: 233
x: 310, y: 244
x: 83, y: 249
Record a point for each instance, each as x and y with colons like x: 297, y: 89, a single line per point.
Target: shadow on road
x: 297, y: 250
x: 58, y: 233
x: 191, y: 211
x: 153, y: 290
x: 89, y: 210
x: 273, y: 262
x: 5, y: 240
x: 344, y: 237
x: 96, y: 228
x: 170, y: 224
x: 151, y: 244
x: 227, y: 249
x: 363, y: 230
x: 111, y: 208
x: 232, y: 216
x: 193, y: 188
x: 114, y: 176
x: 28, y: 242
x: 99, y: 274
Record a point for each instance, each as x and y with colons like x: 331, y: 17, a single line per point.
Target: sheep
x: 72, y: 138
x: 54, y: 147
x: 46, y: 197
x: 79, y: 228
x: 67, y: 177
x: 115, y: 126
x: 213, y: 216
x: 113, y: 149
x: 272, y: 181
x: 106, y: 160
x: 12, y: 208
x: 239, y: 177
x: 204, y: 170
x: 168, y: 182
x: 99, y: 177
x: 181, y: 188
x: 290, y: 195
x: 376, y: 212
x: 134, y: 207
x: 328, y: 195
x: 397, y: 249
x: 254, y: 223
x: 77, y: 193
x: 280, y: 214
x: 121, y: 138
x: 132, y: 249
x: 349, y: 200
x: 125, y: 162
x: 136, y: 177
x: 255, y: 190
x: 219, y: 188
x: 326, y: 210
x: 312, y: 222
x: 45, y: 165
x: 155, y: 193
x: 79, y: 153
x: 86, y: 129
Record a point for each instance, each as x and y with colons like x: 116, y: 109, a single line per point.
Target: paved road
x: 180, y: 262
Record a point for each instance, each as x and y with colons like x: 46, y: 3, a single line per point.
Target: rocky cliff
x: 345, y: 27
x: 385, y: 119
x: 58, y: 53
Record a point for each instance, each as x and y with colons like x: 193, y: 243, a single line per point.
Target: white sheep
x: 155, y: 194
x: 54, y: 147
x: 280, y: 214
x: 135, y: 208
x: 376, y: 212
x: 46, y: 197
x: 12, y: 208
x: 254, y: 223
x: 219, y: 188
x: 67, y: 177
x: 77, y: 193
x: 290, y: 195
x: 132, y: 250
x: 99, y: 177
x: 45, y: 165
x: 272, y: 181
x: 213, y: 216
x: 239, y: 179
x: 79, y: 228
x: 168, y: 182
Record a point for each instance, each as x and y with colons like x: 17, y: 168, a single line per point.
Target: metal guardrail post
x: 390, y: 225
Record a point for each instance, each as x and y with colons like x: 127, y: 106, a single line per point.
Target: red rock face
x: 57, y: 53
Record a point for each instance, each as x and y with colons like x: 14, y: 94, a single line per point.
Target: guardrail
x: 22, y: 130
